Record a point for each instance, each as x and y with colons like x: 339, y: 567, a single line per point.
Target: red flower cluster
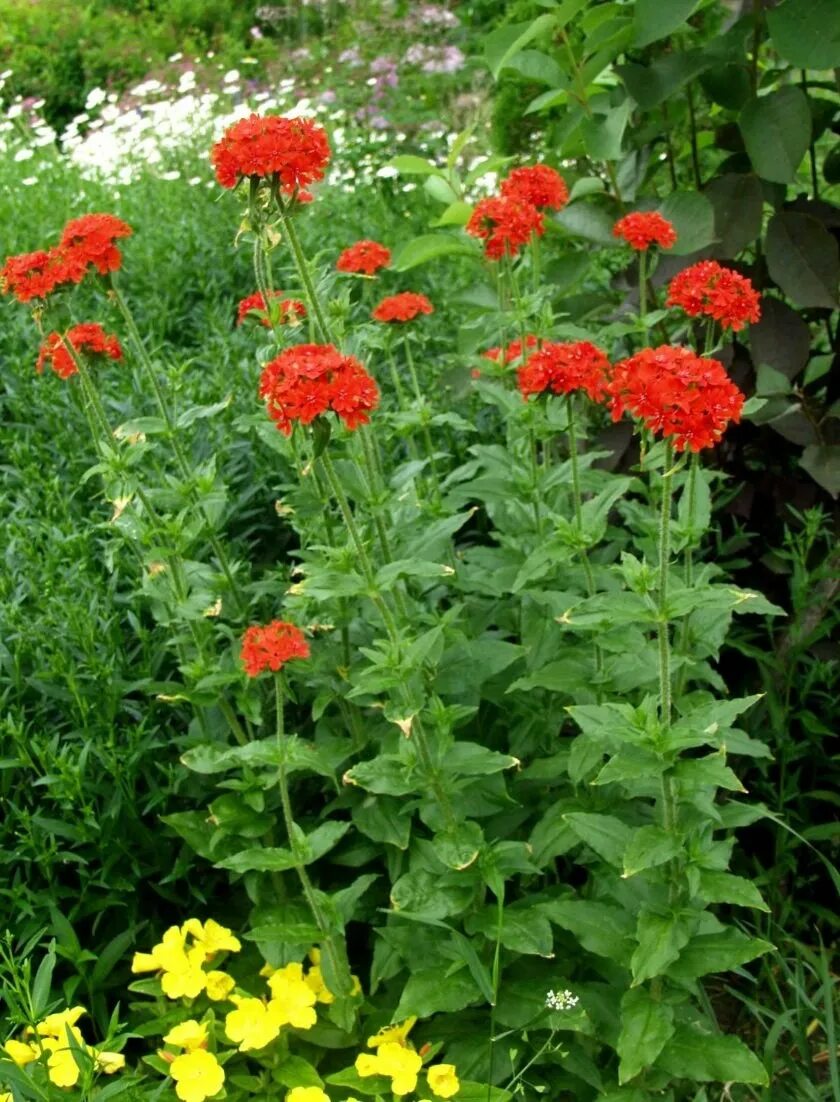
x: 272, y: 646
x: 505, y: 225
x: 538, y: 185
x: 296, y: 150
x: 402, y: 307
x: 290, y: 309
x: 365, y: 257
x: 512, y: 352
x: 565, y: 368
x: 88, y: 338
x: 718, y: 292
x: 677, y: 394
x: 85, y: 242
x: 308, y: 380
x: 642, y: 229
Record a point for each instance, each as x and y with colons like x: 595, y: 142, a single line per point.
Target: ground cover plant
x: 396, y: 516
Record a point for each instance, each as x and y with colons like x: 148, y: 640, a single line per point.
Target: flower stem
x: 427, y: 436
x: 669, y: 808
x: 303, y: 270
x: 643, y: 289
x: 335, y: 951
x: 576, y: 497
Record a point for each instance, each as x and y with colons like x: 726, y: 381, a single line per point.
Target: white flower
x: 173, y: 174
x: 387, y: 172
x: 24, y: 154
x: 561, y: 1000
x: 28, y: 181
x: 231, y: 76
x: 94, y: 97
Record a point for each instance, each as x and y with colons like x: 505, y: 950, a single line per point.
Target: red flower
x: 677, y: 394
x: 88, y: 338
x: 290, y: 309
x: 538, y: 185
x: 272, y: 646
x: 308, y: 380
x: 296, y: 150
x: 718, y: 292
x: 512, y: 352
x: 89, y: 240
x: 565, y: 368
x: 34, y: 275
x: 505, y: 225
x: 366, y: 257
x: 402, y: 307
x: 642, y: 229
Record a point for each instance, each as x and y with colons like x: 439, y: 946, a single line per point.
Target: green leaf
x: 807, y: 35
x: 599, y: 927
x: 386, y: 774
x: 589, y: 221
x: 606, y: 834
x: 776, y: 129
x: 653, y: 20
x: 431, y: 246
x: 275, y: 859
x: 720, y: 952
x: 603, y: 134
x: 551, y: 836
x: 383, y: 819
x: 709, y: 1057
x: 505, y: 42
x: 523, y: 930
x: 650, y: 846
x: 431, y: 991
x: 539, y: 67
x: 738, y: 202
x: 200, y: 413
x: 803, y: 259
x: 456, y: 214
x: 459, y: 846
x: 284, y: 933
x: 469, y: 759
x: 481, y: 1092
x: 294, y: 1071
x: 723, y: 887
x: 410, y: 165
x: 661, y: 936
x: 650, y: 85
x: 693, y: 217
x: 647, y: 1024
x: 350, y: 1079
x: 710, y: 770
x: 410, y: 568
x: 822, y: 462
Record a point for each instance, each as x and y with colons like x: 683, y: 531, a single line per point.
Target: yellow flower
x: 54, y: 1025
x: 396, y: 1033
x: 211, y: 938
x: 62, y: 1068
x: 5, y: 1096
x: 442, y: 1080
x: 189, y: 1035
x: 315, y: 981
x: 183, y: 976
x: 109, y: 1062
x: 292, y: 999
x: 21, y: 1053
x: 198, y: 1075
x: 219, y: 985
x: 253, y: 1024
x: 400, y: 1063
x: 307, y: 1094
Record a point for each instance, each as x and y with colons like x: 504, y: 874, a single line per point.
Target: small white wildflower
x: 28, y: 181
x: 173, y: 174
x: 23, y: 154
x: 561, y: 1000
x: 175, y: 57
x: 231, y: 76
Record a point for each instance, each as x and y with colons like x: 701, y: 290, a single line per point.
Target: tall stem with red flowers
x: 578, y: 507
x: 669, y: 809
x: 302, y: 268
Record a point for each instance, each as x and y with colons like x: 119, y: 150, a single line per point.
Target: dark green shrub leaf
x: 780, y: 339
x: 720, y: 952
x: 606, y: 834
x: 599, y: 927
x: 459, y: 846
x: 294, y: 1071
x: 432, y: 992
x: 650, y: 846
x: 588, y: 221
x: 523, y: 930
x: 822, y: 462
x: 694, y: 1054
x: 806, y: 35
x: 803, y: 259
x: 650, y: 85
x: 661, y: 936
x: 776, y: 130
x: 738, y: 202
x: 694, y: 220
x: 275, y: 859
x: 652, y: 20
x: 429, y: 247
x: 728, y: 85
x: 723, y: 887
x: 647, y: 1024
x: 503, y: 44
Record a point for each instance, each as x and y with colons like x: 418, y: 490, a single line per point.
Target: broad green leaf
x: 647, y: 1024
x: 822, y: 462
x: 781, y: 339
x: 386, y: 774
x: 383, y: 819
x: 469, y: 759
x: 661, y: 936
x: 284, y: 933
x: 710, y: 770
x: 294, y: 1071
x: 720, y: 952
x: 588, y: 221
x: 430, y: 991
x: 480, y: 1092
x: 200, y: 413
x: 693, y: 217
x: 806, y: 34
x: 776, y: 129
x: 650, y: 846
x: 738, y: 202
x: 539, y: 67
x: 603, y: 134
x: 457, y: 213
x: 458, y: 846
x: 505, y: 42
x: 631, y: 763
x: 420, y: 250
x: 803, y: 259
x: 653, y: 20
x: 695, y: 1054
x: 599, y: 927
x: 410, y: 568
x: 275, y: 859
x: 650, y: 85
x: 606, y: 834
x: 410, y: 165
x: 723, y: 887
x: 350, y: 1079
x: 524, y: 930
x: 551, y: 836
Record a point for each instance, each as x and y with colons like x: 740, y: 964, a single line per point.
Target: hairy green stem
x: 578, y: 507
x: 669, y: 810
x: 303, y: 270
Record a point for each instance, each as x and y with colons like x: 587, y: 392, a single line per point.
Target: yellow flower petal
x: 389, y: 1033
x: 307, y: 1094
x: 62, y: 1068
x: 198, y: 1075
x: 109, y: 1062
x: 252, y: 1025
x: 189, y: 1035
x: 20, y: 1052
x: 219, y: 985
x: 442, y: 1080
x: 54, y: 1025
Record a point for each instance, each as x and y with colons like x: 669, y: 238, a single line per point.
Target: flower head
x: 538, y: 185
x: 289, y: 310
x: 89, y: 339
x: 34, y: 275
x: 219, y: 985
x: 641, y: 229
x: 443, y: 1080
x: 272, y: 646
x: 253, y: 1024
x: 292, y: 998
x: 398, y: 1062
x: 710, y: 289
x: 188, y: 1035
x: 307, y: 1094
x: 197, y: 1074
x: 211, y: 937
x: 306, y: 381
x: 511, y: 352
x: 677, y: 394
x: 295, y: 150
x: 89, y: 241
x: 505, y: 225
x: 565, y: 368
x: 365, y: 258
x: 561, y: 1000
x: 403, y: 307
